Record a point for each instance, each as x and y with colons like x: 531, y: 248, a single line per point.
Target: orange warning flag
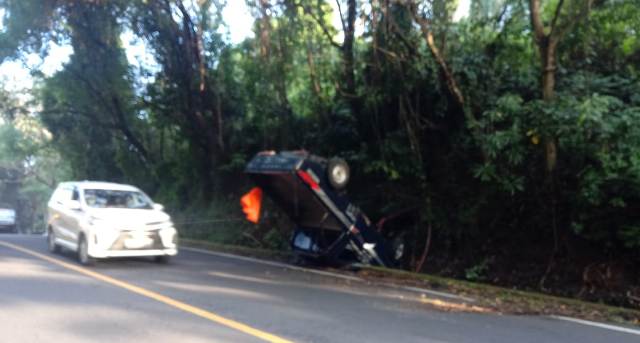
x: 251, y: 203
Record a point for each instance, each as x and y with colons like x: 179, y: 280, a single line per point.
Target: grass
x: 508, y: 301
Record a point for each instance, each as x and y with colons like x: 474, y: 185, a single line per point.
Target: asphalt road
x: 205, y: 298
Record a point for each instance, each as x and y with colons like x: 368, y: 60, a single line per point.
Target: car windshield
x: 103, y: 198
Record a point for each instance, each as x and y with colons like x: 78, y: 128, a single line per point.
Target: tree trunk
x: 265, y: 29
x: 315, y: 85
x: 201, y: 108
x: 347, y: 50
x: 547, y: 44
x: 548, y: 59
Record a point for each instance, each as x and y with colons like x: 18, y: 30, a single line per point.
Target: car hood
x: 128, y: 216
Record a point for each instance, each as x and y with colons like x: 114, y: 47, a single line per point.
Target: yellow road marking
x: 155, y: 296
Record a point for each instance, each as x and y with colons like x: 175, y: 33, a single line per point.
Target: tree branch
x: 437, y: 55
x: 115, y: 109
x: 560, y: 30
x: 320, y: 23
x: 344, y: 26
x: 556, y: 16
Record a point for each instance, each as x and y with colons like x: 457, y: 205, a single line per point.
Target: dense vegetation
x: 511, y: 135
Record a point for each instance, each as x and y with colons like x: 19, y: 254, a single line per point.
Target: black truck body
x: 328, y: 225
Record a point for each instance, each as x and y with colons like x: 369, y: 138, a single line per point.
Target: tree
x: 177, y: 38
x: 89, y: 103
x: 565, y: 17
x: 29, y: 166
x: 318, y: 12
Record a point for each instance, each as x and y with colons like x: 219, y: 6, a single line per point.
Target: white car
x: 102, y: 220
x: 8, y: 220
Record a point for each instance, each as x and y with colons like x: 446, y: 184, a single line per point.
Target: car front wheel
x: 51, y: 242
x: 83, y: 253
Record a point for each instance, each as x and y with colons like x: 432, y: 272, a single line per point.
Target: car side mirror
x: 74, y: 205
x: 158, y: 207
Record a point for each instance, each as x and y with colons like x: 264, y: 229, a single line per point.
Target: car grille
x: 156, y: 241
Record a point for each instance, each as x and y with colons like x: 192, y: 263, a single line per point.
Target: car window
x: 63, y: 194
x: 75, y: 195
x: 102, y: 198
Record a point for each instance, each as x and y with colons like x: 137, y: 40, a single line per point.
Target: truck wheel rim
x: 339, y: 174
x: 399, y: 251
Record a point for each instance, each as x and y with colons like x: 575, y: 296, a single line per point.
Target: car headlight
x: 169, y: 231
x: 169, y: 236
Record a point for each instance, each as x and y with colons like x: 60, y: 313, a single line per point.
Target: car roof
x: 100, y: 185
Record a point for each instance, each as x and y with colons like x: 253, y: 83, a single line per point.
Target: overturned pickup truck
x: 311, y: 190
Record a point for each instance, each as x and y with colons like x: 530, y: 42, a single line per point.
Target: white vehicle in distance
x: 102, y: 220
x: 7, y: 220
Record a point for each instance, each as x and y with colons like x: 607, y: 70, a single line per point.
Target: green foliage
x: 276, y: 240
x: 600, y: 145
x: 29, y: 168
x: 478, y: 271
x: 212, y: 222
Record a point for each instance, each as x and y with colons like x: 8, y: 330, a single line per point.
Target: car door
x: 74, y: 217
x: 59, y: 213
